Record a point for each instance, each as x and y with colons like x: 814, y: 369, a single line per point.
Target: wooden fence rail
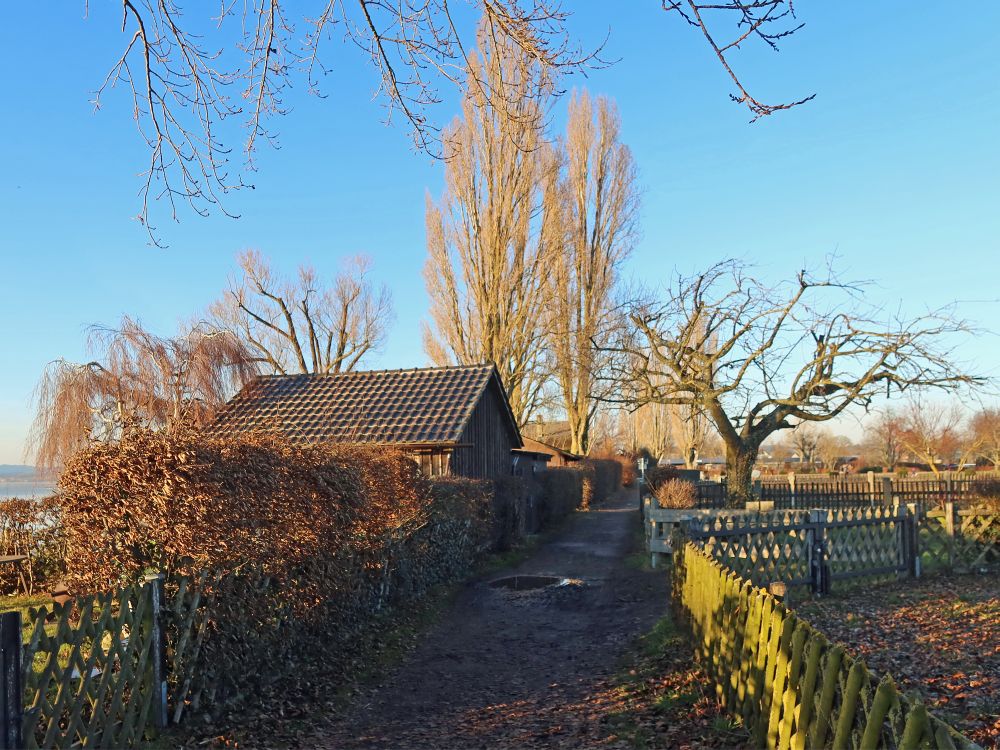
x: 789, y: 686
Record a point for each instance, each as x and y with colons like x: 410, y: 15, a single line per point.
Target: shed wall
x: 488, y: 456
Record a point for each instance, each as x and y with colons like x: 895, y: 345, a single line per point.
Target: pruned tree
x: 301, y: 324
x: 932, y: 433
x: 985, y: 430
x: 136, y: 379
x: 796, y: 352
x: 884, y: 438
x: 598, y: 216
x: 491, y: 237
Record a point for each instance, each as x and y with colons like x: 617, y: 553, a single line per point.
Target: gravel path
x: 518, y: 669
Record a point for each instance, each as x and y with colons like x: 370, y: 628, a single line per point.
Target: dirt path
x: 516, y: 669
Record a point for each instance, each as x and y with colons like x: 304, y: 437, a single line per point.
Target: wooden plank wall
x: 491, y: 441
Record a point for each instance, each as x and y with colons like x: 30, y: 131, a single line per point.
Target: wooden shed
x: 452, y: 420
x: 557, y: 456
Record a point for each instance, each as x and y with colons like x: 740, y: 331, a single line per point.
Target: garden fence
x: 788, y: 685
x: 818, y: 548
x: 832, y: 493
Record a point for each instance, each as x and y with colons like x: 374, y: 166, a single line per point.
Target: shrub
x: 676, y: 493
x: 986, y: 493
x: 287, y: 552
x: 163, y: 501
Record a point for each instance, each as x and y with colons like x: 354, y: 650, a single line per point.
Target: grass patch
x: 664, y: 700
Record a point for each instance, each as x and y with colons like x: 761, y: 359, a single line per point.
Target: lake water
x: 26, y: 489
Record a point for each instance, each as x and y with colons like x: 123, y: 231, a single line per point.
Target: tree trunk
x: 740, y: 459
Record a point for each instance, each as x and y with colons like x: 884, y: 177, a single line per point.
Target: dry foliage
x: 675, y: 493
x: 181, y: 500
x: 938, y: 637
x: 137, y: 379
x: 304, y: 325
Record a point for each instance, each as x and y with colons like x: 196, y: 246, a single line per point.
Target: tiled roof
x: 381, y: 406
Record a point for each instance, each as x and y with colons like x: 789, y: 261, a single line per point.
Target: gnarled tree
x: 797, y: 352
x: 303, y: 325
x: 136, y: 379
x: 490, y: 238
x: 598, y: 207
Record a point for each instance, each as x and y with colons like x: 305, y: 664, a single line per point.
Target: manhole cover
x: 525, y: 583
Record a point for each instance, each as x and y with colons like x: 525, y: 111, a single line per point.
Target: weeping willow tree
x: 135, y: 379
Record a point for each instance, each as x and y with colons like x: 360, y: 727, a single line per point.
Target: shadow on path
x: 505, y: 668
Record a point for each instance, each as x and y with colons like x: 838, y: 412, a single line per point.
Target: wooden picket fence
x: 797, y: 491
x: 789, y: 686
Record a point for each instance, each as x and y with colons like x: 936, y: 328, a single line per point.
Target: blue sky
x: 893, y: 167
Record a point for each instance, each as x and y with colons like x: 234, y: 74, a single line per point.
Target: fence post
x: 12, y: 712
x: 871, y: 487
x: 158, y: 651
x: 915, y: 537
x: 816, y: 553
x: 886, y: 490
x: 949, y: 527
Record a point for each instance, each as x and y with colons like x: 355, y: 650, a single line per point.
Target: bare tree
x: 690, y: 430
x: 805, y: 440
x: 651, y: 427
x: 831, y: 449
x: 766, y: 21
x: 884, y: 439
x: 932, y: 432
x: 302, y: 325
x: 599, y: 201
x: 197, y: 82
x: 491, y: 237
x: 797, y: 352
x: 136, y: 379
x: 985, y: 429
x: 186, y: 87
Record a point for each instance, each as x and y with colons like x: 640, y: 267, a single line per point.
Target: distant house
x: 557, y: 456
x: 452, y: 420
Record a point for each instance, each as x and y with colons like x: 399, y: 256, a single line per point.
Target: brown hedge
x: 158, y: 501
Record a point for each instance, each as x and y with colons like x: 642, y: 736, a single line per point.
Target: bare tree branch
x: 754, y: 19
x: 302, y: 326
